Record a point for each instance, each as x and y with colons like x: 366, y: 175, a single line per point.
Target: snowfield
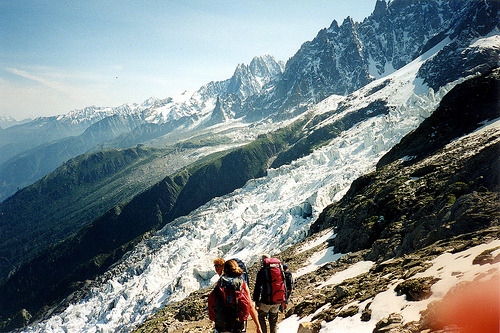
x: 266, y: 215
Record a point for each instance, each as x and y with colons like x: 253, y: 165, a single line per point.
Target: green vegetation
x: 202, y: 141
x: 66, y: 200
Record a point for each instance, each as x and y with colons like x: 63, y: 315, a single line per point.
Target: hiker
x: 288, y: 281
x: 219, y: 265
x: 270, y: 292
x: 230, y: 304
x: 219, y: 268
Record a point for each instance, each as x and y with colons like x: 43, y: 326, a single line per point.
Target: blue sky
x: 56, y: 56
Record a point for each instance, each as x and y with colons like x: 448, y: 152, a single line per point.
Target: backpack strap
x: 236, y: 282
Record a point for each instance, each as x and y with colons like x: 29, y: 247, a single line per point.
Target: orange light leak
x: 473, y: 309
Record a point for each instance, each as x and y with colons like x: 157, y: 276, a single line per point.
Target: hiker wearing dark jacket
x: 263, y: 300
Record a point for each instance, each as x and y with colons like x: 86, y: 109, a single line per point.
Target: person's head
x: 219, y: 265
x: 265, y: 256
x: 285, y: 267
x: 232, y: 269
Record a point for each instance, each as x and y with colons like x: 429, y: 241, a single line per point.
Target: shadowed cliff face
x: 439, y: 189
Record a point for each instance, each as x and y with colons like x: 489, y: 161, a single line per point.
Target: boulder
x: 308, y: 327
x: 416, y: 289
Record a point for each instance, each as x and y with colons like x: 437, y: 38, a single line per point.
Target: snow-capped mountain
x: 246, y: 80
x: 42, y: 130
x: 92, y: 114
x: 32, y: 150
x: 7, y: 121
x: 342, y: 59
x: 267, y: 214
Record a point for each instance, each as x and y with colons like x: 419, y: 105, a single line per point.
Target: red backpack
x: 229, y: 304
x: 276, y: 279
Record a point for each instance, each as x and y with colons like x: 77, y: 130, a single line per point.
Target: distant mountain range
x: 7, y: 121
x: 340, y: 60
x: 87, y: 196
x: 32, y: 150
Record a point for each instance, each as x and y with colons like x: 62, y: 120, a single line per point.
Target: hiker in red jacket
x: 230, y: 304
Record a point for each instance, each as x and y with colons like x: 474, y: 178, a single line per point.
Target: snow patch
x: 490, y: 41
x: 317, y: 260
x: 451, y: 268
x: 322, y: 238
x: 353, y: 271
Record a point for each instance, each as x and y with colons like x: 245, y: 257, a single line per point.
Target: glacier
x: 266, y: 215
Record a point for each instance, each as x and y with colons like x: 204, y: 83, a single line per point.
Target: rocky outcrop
x: 225, y: 108
x: 435, y: 192
x: 455, y: 60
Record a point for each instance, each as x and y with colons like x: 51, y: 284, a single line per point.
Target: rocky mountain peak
x: 150, y: 101
x: 266, y: 66
x: 249, y: 79
x: 246, y: 79
x: 334, y: 26
x: 380, y: 9
x: 347, y: 23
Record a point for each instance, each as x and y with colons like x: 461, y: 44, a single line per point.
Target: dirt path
x: 251, y: 328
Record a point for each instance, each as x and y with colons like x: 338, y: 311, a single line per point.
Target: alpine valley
x: 369, y: 162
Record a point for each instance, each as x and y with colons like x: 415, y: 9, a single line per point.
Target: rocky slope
x: 397, y: 222
x: 406, y: 205
x: 316, y: 301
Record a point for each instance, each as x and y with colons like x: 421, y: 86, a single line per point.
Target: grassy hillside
x: 67, y: 199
